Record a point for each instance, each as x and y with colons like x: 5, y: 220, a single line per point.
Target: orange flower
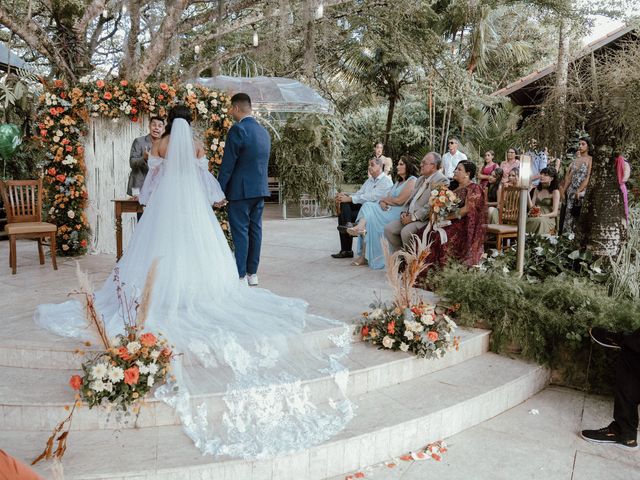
x: 123, y: 353
x: 53, y: 111
x: 417, y: 310
x: 134, y: 110
x: 131, y: 375
x: 75, y: 382
x: 69, y: 148
x: 166, y: 352
x: 164, y: 86
x: 58, y: 83
x: 51, y: 171
x: 148, y: 339
x: 391, y: 327
x: 134, y: 119
x: 364, y: 331
x: 83, y: 243
x: 107, y: 96
x: 65, y: 141
x: 63, y: 95
x: 124, y: 83
x: 60, y: 109
x: 433, y: 336
x: 61, y: 178
x: 160, y: 97
x: 100, y: 84
x: 134, y: 101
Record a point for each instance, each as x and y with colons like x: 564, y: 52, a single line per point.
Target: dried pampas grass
x: 145, y: 299
x: 94, y: 319
x: 404, y: 267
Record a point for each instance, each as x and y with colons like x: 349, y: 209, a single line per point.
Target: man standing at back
x: 243, y: 178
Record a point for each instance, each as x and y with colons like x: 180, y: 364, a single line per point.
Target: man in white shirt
x: 373, y: 190
x: 399, y: 233
x: 451, y: 159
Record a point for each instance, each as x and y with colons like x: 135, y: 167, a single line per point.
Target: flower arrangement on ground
x: 422, y: 329
x: 409, y: 324
x: 125, y: 371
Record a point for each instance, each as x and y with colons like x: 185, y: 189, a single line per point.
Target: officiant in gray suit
x: 416, y: 214
x: 139, y: 155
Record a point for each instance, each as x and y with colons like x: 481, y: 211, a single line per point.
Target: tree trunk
x: 601, y: 226
x: 390, y: 111
x: 562, y: 74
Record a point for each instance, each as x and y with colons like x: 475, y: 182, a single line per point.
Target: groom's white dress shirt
x: 373, y: 190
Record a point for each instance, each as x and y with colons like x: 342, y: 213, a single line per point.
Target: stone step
x: 32, y: 347
x: 25, y: 406
x: 390, y: 421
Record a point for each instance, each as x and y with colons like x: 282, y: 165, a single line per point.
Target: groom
x: 243, y: 179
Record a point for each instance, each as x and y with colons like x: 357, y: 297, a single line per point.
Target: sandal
x: 356, y: 232
x: 360, y: 261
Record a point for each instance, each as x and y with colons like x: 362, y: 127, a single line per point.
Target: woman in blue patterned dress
x: 374, y: 216
x: 575, y: 184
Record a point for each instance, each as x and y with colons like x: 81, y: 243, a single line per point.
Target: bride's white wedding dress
x: 247, y: 344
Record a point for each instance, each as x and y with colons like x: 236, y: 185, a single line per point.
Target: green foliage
x: 548, y: 256
x: 549, y: 320
x: 26, y: 162
x: 307, y: 157
x: 409, y: 134
x: 625, y: 267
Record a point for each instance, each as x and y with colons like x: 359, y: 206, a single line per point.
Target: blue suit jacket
x: 244, y: 170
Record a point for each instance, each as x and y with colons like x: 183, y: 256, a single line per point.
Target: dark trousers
x: 245, y: 222
x: 627, y: 393
x: 348, y: 213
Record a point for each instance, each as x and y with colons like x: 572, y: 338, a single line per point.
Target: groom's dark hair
x: 178, y: 111
x: 242, y: 100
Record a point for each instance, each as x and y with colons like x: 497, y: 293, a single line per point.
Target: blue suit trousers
x: 245, y: 222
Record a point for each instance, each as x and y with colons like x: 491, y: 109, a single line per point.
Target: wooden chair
x: 508, y: 207
x: 23, y: 203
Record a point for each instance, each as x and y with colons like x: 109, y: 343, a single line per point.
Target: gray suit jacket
x: 418, y: 205
x: 138, y: 164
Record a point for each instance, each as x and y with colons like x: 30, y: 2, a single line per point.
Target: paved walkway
x: 514, y: 445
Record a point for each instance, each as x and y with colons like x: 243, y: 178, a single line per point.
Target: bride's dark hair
x: 178, y: 111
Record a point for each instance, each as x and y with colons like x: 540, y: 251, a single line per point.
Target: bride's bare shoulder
x: 159, y: 148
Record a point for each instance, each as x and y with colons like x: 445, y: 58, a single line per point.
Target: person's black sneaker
x: 609, y: 435
x: 606, y: 338
x: 343, y: 254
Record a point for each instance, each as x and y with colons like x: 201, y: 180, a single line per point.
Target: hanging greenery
x: 307, y: 157
x: 63, y: 122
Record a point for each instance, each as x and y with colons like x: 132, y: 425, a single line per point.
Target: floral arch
x: 63, y: 123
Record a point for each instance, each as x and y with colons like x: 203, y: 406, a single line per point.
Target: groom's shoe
x: 343, y: 254
x: 252, y: 279
x: 243, y: 281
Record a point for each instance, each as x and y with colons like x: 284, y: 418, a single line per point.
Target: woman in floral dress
x: 509, y: 164
x: 575, y: 184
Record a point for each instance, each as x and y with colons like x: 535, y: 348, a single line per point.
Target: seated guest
x: 510, y: 163
x: 623, y: 431
x: 494, y: 191
x: 513, y: 178
x: 373, y: 190
x: 544, y: 207
x: 466, y: 233
x: 374, y: 216
x: 416, y: 211
x: 489, y: 166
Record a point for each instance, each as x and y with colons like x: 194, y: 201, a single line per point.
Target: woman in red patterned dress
x: 466, y: 234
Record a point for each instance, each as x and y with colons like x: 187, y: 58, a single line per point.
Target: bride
x: 246, y: 356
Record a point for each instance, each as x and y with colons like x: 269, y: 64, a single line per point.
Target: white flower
x: 196, y: 50
x: 99, y: 371
x: 222, y: 144
x: 387, y: 341
x: 189, y: 86
x: 505, y: 270
x: 84, y: 79
x: 539, y: 250
x: 404, y: 347
x: 142, y: 367
x: 115, y: 374
x: 71, y: 214
x: 69, y: 160
x: 408, y: 334
x: 98, y: 386
x: 434, y: 192
x: 56, y: 139
x: 427, y: 318
x: 108, y: 386
x: 376, y: 313
x: 133, y: 347
x: 150, y: 381
x: 155, y: 354
x: 153, y: 368
x: 571, y: 236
